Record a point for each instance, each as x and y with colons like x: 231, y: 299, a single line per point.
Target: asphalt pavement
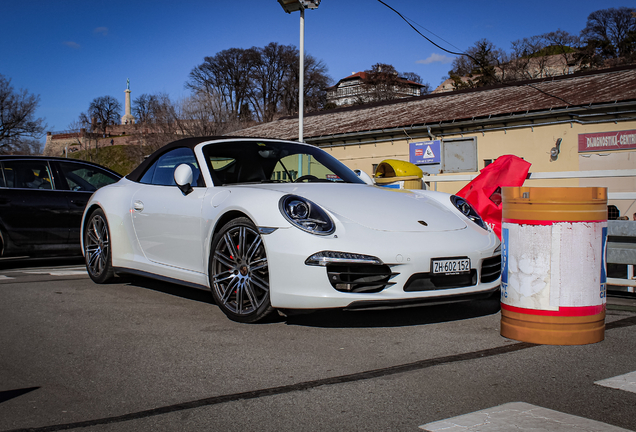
x: 139, y: 355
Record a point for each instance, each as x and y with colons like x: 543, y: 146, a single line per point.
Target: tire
x: 239, y: 273
x: 97, y: 252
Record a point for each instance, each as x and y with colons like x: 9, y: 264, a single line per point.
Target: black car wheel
x: 239, y: 274
x: 97, y: 248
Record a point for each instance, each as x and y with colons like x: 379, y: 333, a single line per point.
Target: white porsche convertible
x: 268, y: 224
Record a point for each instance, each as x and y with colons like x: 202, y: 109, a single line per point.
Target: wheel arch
x: 230, y: 215
x: 87, y: 214
x: 220, y: 223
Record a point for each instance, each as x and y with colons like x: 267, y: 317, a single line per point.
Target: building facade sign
x: 595, y: 142
x: 425, y: 152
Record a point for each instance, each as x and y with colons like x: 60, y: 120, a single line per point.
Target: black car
x: 41, y: 203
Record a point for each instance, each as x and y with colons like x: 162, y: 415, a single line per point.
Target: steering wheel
x: 306, y: 177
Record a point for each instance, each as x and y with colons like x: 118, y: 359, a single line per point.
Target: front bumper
x: 296, y: 285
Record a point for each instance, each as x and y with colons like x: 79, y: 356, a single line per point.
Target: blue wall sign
x: 425, y: 152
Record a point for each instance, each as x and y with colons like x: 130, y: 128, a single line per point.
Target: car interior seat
x: 250, y: 173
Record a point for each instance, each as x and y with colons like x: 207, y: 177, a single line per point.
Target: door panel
x: 33, y: 213
x: 76, y: 204
x: 168, y: 226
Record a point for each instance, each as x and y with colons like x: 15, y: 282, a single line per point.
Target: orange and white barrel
x: 553, y: 282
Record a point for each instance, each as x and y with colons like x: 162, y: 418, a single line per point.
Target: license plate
x: 451, y: 266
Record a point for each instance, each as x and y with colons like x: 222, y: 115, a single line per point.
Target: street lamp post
x: 291, y: 6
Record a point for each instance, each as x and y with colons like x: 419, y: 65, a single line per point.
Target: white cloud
x: 436, y: 58
x: 101, y: 30
x: 71, y: 44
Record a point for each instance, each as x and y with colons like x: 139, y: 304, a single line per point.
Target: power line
x: 418, y: 32
x: 468, y: 55
x: 427, y: 30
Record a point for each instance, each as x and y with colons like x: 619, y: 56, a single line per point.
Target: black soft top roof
x: 138, y: 172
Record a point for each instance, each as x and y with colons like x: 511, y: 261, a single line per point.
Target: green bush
x: 120, y: 158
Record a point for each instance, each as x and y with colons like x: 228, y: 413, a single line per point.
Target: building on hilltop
x: 355, y: 90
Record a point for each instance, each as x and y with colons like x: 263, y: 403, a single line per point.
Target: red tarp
x: 484, y: 192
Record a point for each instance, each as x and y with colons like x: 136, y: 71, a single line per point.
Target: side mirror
x: 183, y: 178
x: 365, y: 177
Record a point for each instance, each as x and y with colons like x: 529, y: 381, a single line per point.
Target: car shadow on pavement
x: 190, y: 293
x: 335, y: 318
x: 27, y: 262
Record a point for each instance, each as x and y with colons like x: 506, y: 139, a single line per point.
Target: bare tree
x: 144, y: 108
x: 563, y: 44
x: 200, y: 114
x: 203, y: 114
x: 315, y: 86
x: 412, y: 76
x: 480, y: 65
x: 84, y: 138
x: 524, y: 54
x: 382, y: 82
x: 271, y: 67
x: 260, y: 82
x: 105, y: 110
x: 227, y: 74
x: 611, y: 33
x: 162, y: 120
x: 19, y: 128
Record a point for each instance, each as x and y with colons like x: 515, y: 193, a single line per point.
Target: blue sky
x: 72, y: 51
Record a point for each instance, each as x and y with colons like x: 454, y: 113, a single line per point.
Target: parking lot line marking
x: 519, y: 416
x: 625, y: 382
x: 68, y: 272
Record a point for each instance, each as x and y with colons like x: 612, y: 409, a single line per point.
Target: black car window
x: 25, y: 174
x: 161, y: 173
x: 82, y: 177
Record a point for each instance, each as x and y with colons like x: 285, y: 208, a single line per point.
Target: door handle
x: 79, y: 202
x: 138, y: 206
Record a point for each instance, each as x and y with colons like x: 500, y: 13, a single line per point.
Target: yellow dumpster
x: 398, y: 174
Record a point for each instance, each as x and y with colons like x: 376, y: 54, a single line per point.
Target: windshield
x: 273, y: 162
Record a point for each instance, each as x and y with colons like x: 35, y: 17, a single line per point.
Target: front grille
x: 360, y: 278
x: 429, y: 281
x: 491, y: 269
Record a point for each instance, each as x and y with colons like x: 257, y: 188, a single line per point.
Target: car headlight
x: 467, y: 210
x: 306, y: 215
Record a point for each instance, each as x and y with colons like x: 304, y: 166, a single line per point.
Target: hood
x: 376, y: 207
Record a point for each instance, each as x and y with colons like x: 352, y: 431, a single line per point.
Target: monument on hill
x: 128, y: 118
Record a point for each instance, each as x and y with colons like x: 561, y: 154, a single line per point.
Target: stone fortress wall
x: 59, y: 143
